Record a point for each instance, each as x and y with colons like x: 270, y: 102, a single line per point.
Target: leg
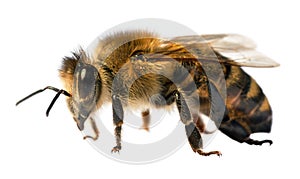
x: 118, y: 147
x: 95, y: 129
x: 193, y: 134
x: 146, y: 119
x: 118, y: 115
x: 200, y: 124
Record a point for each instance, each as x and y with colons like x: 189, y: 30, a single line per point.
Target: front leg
x: 118, y: 115
x: 95, y: 129
x: 193, y: 134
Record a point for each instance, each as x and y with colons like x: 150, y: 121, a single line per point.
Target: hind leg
x: 240, y: 131
x: 192, y: 132
x: 195, y: 140
x: 198, y: 121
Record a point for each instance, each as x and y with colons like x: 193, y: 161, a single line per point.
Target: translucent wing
x: 233, y: 49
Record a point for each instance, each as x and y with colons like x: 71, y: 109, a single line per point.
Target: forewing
x: 231, y: 49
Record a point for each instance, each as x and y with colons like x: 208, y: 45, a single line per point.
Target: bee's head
x: 82, y: 87
x: 83, y: 82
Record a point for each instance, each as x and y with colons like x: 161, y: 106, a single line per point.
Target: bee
x: 140, y: 70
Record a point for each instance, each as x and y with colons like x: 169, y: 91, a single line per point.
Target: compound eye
x: 86, y: 91
x: 87, y: 82
x: 86, y: 85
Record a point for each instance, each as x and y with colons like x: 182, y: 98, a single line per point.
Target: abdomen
x: 246, y: 103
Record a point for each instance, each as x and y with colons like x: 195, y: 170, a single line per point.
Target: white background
x: 35, y: 35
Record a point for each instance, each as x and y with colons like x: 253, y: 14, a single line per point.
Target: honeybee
x: 140, y: 70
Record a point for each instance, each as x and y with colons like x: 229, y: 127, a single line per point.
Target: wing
x: 229, y: 49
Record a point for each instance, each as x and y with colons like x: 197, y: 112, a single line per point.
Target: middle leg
x: 146, y: 119
x: 118, y: 115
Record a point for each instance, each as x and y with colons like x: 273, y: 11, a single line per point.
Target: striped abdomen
x: 247, y: 108
x: 246, y: 103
